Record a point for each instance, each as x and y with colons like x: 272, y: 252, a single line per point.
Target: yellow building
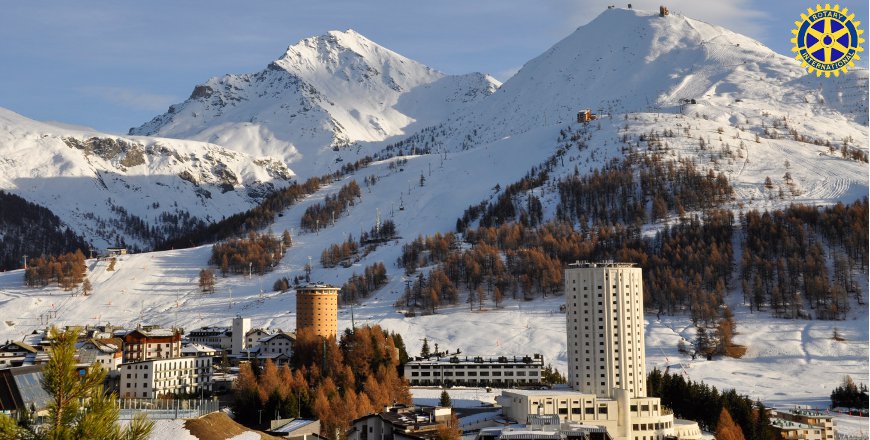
x: 317, y: 309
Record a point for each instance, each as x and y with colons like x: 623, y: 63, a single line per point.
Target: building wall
x: 473, y: 373
x: 821, y: 421
x: 624, y: 418
x: 220, y: 341
x: 604, y: 306
x: 139, y: 347
x: 317, y: 309
x: 154, y: 378
x: 240, y: 328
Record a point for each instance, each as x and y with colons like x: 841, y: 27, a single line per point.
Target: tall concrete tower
x: 317, y: 308
x: 240, y: 329
x: 604, y: 304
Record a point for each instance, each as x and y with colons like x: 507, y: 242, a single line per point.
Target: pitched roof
x: 21, y: 345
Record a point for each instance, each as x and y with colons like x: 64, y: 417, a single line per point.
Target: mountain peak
x: 336, y: 50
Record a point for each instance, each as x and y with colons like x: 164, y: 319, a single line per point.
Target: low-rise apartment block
x: 475, y: 370
x: 161, y: 377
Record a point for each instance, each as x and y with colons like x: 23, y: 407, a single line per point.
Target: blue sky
x: 115, y: 64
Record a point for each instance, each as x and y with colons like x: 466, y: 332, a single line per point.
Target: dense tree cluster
x: 507, y: 207
x: 787, y: 256
x: 29, y: 229
x: 702, y: 403
x: 623, y: 190
x: 333, y: 382
x: 339, y: 253
x: 67, y: 270
x: 320, y: 215
x: 685, y: 266
x: 379, y: 233
x: 552, y: 376
x: 850, y: 395
x: 258, y: 253
x: 361, y: 286
x: 165, y: 226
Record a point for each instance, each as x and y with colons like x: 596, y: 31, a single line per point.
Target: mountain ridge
x: 99, y: 184
x: 322, y: 95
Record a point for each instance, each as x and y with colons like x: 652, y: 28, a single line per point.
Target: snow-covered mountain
x: 628, y: 60
x: 323, y: 94
x: 97, y: 182
x: 757, y: 117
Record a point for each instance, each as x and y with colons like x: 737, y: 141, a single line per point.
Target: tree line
x: 788, y: 253
x: 319, y: 215
x: 704, y: 404
x: 639, y: 189
x: 262, y: 215
x: 67, y: 270
x: 257, y: 253
x: 686, y: 266
x: 333, y: 381
x: 30, y: 229
x: 361, y: 286
x: 850, y: 395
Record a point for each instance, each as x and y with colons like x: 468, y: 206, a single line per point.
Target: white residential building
x: 106, y: 353
x: 475, y: 370
x: 803, y: 424
x: 217, y: 337
x: 253, y: 336
x: 278, y: 347
x: 15, y: 353
x: 199, y: 350
x: 606, y: 361
x: 160, y: 377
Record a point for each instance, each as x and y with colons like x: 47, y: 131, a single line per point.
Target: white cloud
x: 129, y: 98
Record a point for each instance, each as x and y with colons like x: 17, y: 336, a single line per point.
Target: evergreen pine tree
x: 78, y: 407
x: 445, y: 400
x: 8, y: 428
x: 424, y: 352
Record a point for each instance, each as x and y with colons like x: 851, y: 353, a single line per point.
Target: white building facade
x: 475, y: 370
x: 604, y: 306
x: 161, y: 377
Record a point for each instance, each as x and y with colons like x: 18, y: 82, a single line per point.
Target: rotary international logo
x: 827, y: 40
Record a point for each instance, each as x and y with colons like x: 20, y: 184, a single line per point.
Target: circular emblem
x: 827, y: 40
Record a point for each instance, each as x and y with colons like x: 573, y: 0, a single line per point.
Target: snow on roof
x: 293, y: 425
x: 788, y: 424
x: 193, y: 347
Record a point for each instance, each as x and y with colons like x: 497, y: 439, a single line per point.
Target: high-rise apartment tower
x: 605, y: 328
